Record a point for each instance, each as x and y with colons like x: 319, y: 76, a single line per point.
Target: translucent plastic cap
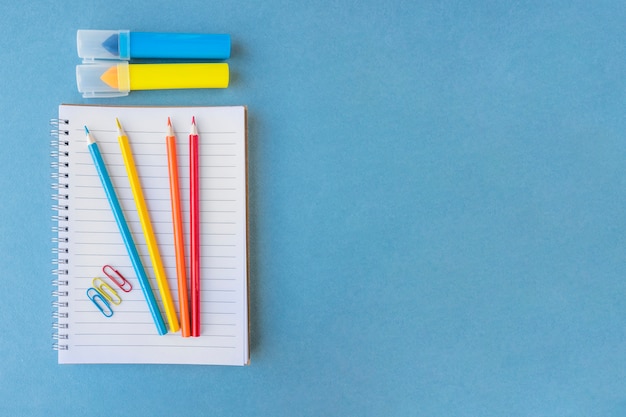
x: 103, y: 79
x: 103, y: 44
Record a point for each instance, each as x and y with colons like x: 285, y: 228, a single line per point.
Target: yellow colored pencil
x: 146, y: 226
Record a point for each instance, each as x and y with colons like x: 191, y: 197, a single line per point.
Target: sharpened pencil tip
x: 120, y: 129
x: 170, y: 129
x: 88, y: 136
x: 194, y: 129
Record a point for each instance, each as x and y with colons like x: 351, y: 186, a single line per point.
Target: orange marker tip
x: 109, y: 77
x: 169, y: 123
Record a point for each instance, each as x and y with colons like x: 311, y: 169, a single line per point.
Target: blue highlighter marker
x: 126, y: 45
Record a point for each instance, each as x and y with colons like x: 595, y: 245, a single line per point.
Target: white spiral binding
x: 60, y: 163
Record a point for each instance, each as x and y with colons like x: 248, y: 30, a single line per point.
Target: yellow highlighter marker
x: 146, y: 226
x: 119, y: 78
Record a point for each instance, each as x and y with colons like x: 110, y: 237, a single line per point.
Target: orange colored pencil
x: 177, y: 221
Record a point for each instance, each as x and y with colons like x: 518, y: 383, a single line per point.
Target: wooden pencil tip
x: 90, y: 139
x: 170, y: 129
x: 194, y: 128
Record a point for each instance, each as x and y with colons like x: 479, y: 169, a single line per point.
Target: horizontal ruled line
x: 156, y: 346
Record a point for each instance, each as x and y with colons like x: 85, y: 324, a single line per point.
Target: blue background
x: 437, y: 193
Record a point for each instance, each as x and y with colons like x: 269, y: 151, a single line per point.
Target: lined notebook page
x: 130, y: 336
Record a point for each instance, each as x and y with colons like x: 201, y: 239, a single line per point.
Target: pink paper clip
x: 117, y: 278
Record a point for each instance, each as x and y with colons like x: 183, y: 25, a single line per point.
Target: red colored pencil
x: 195, y: 229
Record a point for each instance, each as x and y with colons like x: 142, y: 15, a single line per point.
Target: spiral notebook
x: 87, y: 237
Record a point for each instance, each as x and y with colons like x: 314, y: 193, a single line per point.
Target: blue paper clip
x: 99, y: 302
x: 115, y: 275
x: 106, y: 291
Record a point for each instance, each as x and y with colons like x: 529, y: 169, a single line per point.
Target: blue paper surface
x: 436, y: 199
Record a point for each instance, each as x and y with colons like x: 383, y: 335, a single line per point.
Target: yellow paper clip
x: 96, y: 297
x: 106, y: 291
x: 117, y: 278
